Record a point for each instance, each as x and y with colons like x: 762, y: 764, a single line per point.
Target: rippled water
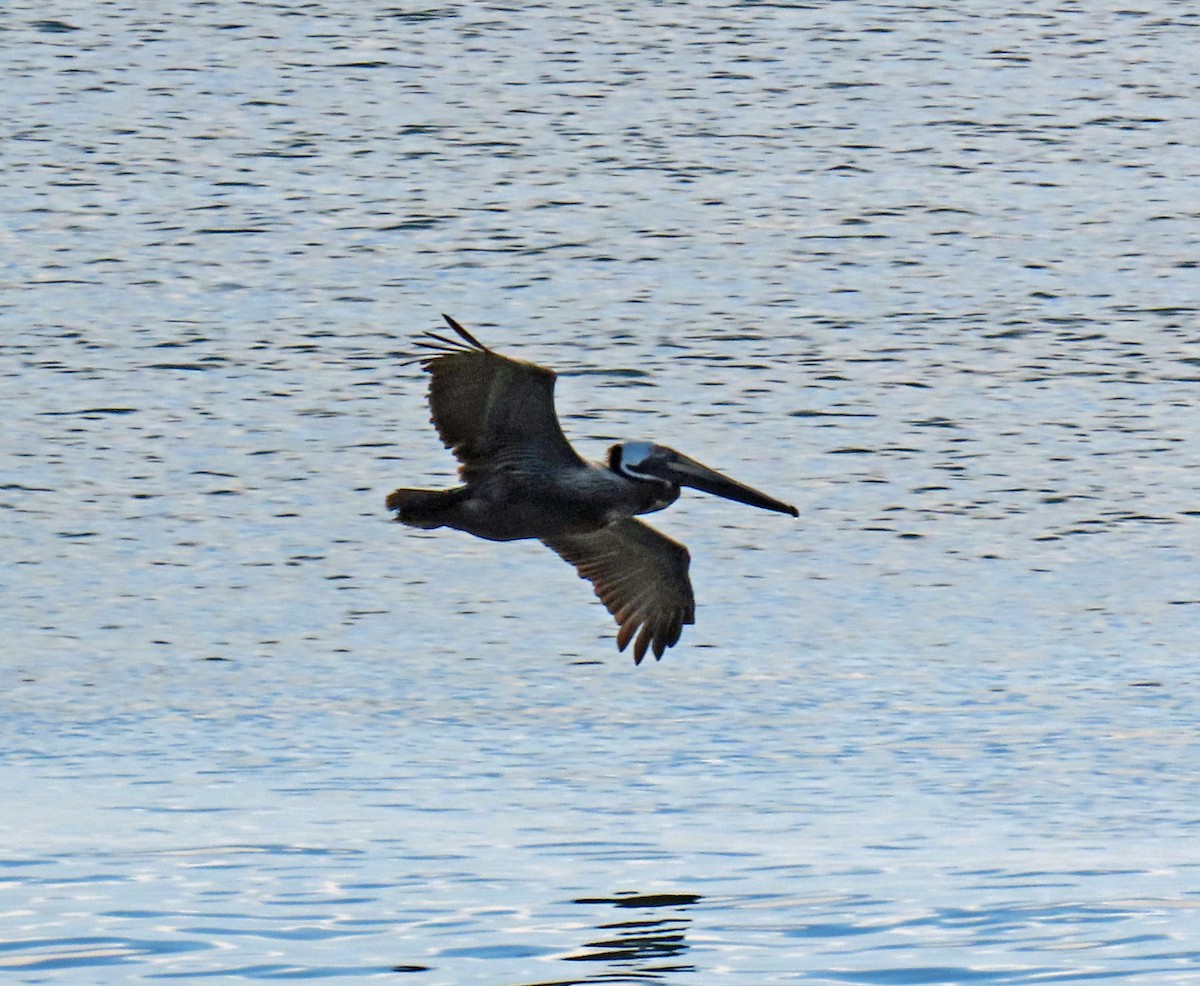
x: 928, y: 272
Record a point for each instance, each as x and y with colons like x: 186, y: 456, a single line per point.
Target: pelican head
x: 656, y: 463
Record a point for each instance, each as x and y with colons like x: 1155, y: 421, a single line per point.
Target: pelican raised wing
x: 522, y: 479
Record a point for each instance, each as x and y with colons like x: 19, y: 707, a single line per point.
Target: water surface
x: 928, y: 273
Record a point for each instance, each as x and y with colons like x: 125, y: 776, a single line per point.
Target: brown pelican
x: 522, y: 479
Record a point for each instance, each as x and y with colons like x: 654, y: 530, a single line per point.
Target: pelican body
x: 522, y: 479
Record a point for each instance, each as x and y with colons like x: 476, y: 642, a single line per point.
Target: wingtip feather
x: 464, y: 333
x: 643, y: 643
x: 624, y: 635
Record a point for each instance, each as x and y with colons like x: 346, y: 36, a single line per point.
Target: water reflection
x: 639, y: 949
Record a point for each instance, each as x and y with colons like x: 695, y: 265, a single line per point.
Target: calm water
x: 929, y: 273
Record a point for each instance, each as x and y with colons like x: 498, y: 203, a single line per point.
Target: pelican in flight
x: 521, y: 479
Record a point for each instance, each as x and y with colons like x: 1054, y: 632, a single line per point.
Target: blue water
x: 929, y: 273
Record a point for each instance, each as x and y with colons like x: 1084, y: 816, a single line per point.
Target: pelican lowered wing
x: 640, y: 575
